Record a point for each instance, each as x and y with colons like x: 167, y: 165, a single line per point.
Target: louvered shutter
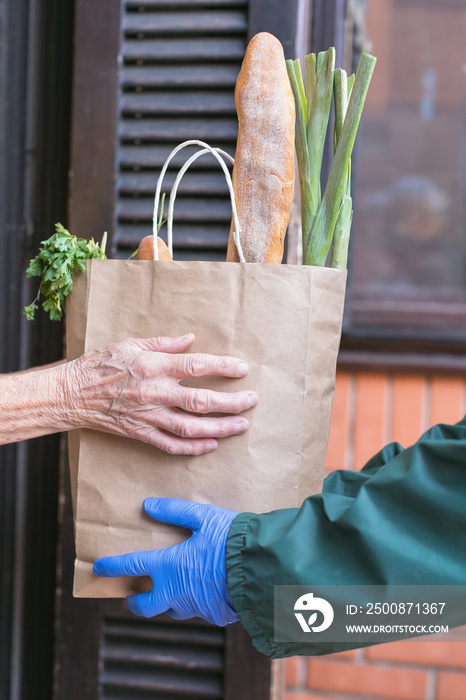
x: 180, y: 62
x: 163, y: 660
x: 177, y: 67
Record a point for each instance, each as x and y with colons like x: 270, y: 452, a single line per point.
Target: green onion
x: 308, y: 205
x: 319, y: 83
x: 312, y: 114
x: 341, y: 234
x: 327, y: 219
x: 341, y: 90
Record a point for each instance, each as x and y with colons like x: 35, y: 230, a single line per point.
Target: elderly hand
x: 132, y: 388
x: 189, y: 579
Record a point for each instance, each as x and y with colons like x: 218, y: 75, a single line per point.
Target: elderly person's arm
x: 130, y: 388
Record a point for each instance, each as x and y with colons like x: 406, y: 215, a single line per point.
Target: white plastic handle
x: 205, y: 149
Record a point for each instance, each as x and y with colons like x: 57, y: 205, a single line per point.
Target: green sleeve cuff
x: 244, y: 587
x: 236, y: 576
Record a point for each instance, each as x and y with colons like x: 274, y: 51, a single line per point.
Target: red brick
x: 337, y: 452
x: 409, y: 396
x: 446, y: 400
x: 308, y: 696
x: 371, y: 416
x: 361, y: 679
x: 293, y: 666
x: 350, y: 654
x: 451, y: 686
x: 444, y: 654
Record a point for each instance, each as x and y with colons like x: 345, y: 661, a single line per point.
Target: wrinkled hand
x: 132, y: 388
x: 189, y: 579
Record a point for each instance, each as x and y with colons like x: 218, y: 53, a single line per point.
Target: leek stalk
x: 327, y: 219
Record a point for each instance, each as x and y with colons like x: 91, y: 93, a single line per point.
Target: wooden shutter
x: 164, y: 659
x: 179, y: 65
x: 144, y: 659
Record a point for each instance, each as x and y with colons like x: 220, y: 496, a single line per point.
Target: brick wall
x: 371, y: 410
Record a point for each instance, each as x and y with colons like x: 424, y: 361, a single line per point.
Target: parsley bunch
x: 58, y: 258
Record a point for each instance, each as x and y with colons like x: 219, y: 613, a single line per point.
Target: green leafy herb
x: 59, y: 258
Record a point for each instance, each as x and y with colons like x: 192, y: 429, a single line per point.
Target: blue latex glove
x: 189, y: 579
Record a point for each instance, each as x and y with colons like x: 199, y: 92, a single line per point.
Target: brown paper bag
x: 284, y: 320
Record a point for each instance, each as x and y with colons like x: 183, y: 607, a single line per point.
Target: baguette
x: 263, y: 173
x: 146, y: 249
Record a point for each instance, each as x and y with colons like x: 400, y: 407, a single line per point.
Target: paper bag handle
x: 205, y: 149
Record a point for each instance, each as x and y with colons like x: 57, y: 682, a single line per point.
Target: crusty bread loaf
x: 263, y: 173
x: 146, y: 249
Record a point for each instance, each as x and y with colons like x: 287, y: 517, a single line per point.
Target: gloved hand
x: 189, y: 579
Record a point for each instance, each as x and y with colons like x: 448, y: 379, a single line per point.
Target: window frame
x: 378, y: 348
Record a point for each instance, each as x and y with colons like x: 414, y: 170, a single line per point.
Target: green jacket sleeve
x: 401, y: 520
x: 348, y: 483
